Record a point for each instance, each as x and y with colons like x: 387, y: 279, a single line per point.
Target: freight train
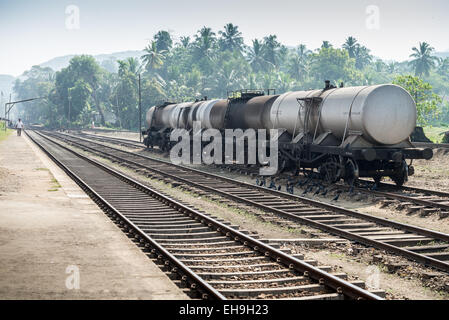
x: 336, y: 133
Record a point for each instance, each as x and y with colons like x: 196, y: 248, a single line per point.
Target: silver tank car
x: 382, y: 114
x: 342, y: 133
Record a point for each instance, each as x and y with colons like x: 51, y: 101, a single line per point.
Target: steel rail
x: 328, y: 228
x: 339, y: 285
x: 385, y: 222
x: 208, y: 288
x: 394, y: 196
x: 390, y: 195
x: 133, y: 143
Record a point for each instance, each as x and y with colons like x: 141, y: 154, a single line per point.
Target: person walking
x: 19, y: 126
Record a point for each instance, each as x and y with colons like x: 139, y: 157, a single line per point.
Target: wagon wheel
x: 401, y: 175
x: 351, y: 172
x: 330, y: 171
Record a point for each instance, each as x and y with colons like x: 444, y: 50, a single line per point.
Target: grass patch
x: 41, y: 169
x: 55, y: 185
x: 4, y: 134
x: 434, y: 133
x: 338, y: 255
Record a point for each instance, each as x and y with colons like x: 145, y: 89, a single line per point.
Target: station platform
x: 55, y: 243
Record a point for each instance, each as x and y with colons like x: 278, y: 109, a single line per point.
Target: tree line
x: 212, y: 64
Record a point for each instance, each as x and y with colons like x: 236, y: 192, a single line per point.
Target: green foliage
x: 210, y: 64
x: 4, y: 133
x: 435, y: 133
x: 426, y: 101
x: 39, y: 82
x: 335, y: 64
x: 76, y: 85
x: 423, y: 60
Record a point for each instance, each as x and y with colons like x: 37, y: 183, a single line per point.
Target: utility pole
x: 140, y: 113
x: 9, y: 102
x: 70, y: 106
x: 1, y: 100
x: 9, y: 105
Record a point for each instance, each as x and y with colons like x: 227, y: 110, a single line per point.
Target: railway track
x: 210, y: 257
x: 123, y: 142
x: 425, y: 246
x: 412, y: 199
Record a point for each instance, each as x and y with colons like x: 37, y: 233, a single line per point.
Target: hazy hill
x: 442, y: 54
x: 6, y: 84
x: 107, y: 61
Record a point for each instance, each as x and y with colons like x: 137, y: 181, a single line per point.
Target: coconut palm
x: 392, y: 67
x: 153, y: 58
x: 423, y: 60
x: 255, y: 56
x: 350, y: 46
x: 297, y: 67
x: 326, y: 45
x: 283, y: 82
x: 226, y: 78
x: 362, y: 56
x: 122, y: 67
x: 303, y: 52
x: 231, y: 38
x: 271, y: 49
x: 163, y: 41
x: 134, y: 65
x: 443, y: 67
x: 185, y: 42
x: 204, y: 42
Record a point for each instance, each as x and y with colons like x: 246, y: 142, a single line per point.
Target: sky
x: 35, y: 31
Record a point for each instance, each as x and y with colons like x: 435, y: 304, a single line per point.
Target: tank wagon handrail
x: 319, y: 113
x: 349, y: 115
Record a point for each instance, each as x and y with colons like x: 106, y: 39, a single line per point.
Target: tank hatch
x: 247, y: 94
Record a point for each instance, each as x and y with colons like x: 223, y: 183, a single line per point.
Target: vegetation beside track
x: 435, y: 133
x: 4, y: 134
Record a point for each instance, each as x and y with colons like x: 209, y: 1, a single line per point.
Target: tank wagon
x: 338, y: 133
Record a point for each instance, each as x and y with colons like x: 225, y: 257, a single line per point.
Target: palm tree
x: 297, y: 67
x: 134, y: 65
x: 204, y: 42
x: 283, y: 82
x: 153, y: 58
x: 122, y: 67
x: 392, y: 66
x: 326, y: 45
x: 423, y: 60
x: 226, y: 77
x: 231, y: 38
x: 185, y: 42
x: 362, y: 56
x: 163, y: 41
x: 380, y: 65
x: 303, y: 52
x: 256, y: 56
x: 443, y: 67
x: 268, y: 80
x: 350, y: 45
x: 271, y: 49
